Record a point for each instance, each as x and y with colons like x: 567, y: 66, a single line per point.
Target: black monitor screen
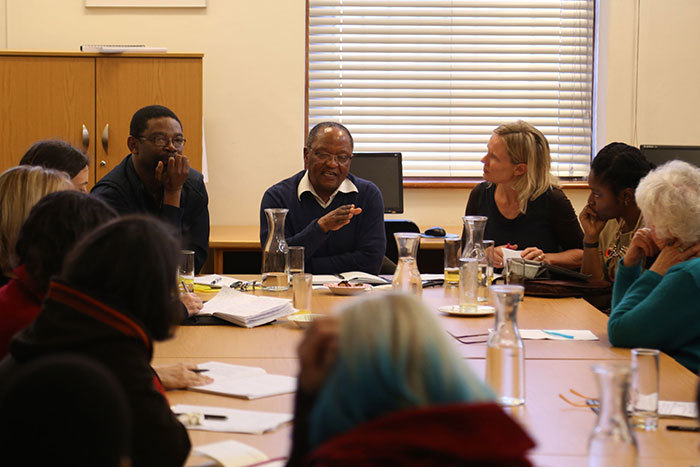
x: 384, y: 170
x: 661, y: 154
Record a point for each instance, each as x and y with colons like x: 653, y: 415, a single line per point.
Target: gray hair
x: 669, y: 198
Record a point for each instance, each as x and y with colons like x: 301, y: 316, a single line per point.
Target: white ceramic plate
x: 481, y: 310
x: 340, y: 290
x: 303, y: 320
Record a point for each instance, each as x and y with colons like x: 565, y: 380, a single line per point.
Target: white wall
x: 254, y: 83
x: 3, y: 23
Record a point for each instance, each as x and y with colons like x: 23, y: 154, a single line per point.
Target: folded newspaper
x: 244, y: 309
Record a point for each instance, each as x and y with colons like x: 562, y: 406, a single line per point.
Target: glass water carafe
x: 474, y: 248
x: 275, y: 252
x: 407, y: 277
x: 612, y: 442
x: 505, y: 355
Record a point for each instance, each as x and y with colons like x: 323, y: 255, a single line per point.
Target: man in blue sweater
x: 338, y: 218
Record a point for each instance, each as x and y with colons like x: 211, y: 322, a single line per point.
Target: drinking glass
x: 644, y: 390
x: 186, y: 270
x: 468, y: 282
x: 296, y: 261
x: 302, y: 287
x: 452, y: 252
x: 486, y: 270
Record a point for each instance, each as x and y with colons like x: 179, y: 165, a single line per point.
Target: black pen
x: 199, y: 370
x: 695, y: 429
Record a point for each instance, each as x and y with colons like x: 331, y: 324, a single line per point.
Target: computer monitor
x: 659, y: 155
x: 384, y: 169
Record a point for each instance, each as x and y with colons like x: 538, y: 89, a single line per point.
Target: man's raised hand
x: 339, y: 217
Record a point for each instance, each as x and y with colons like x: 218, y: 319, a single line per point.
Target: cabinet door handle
x: 103, y: 163
x: 105, y: 138
x: 86, y: 138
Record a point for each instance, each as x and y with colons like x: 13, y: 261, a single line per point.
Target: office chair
x: 396, y: 225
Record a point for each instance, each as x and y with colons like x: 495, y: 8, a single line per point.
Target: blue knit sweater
x: 658, y: 312
x: 358, y: 246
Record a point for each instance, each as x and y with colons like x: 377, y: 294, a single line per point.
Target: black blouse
x: 549, y: 224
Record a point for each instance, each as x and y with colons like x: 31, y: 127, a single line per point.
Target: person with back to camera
x: 525, y: 208
x: 611, y: 216
x: 380, y: 385
x: 59, y: 155
x: 64, y: 411
x: 338, y: 218
x: 20, y: 189
x: 659, y: 308
x: 115, y: 295
x: 55, y: 224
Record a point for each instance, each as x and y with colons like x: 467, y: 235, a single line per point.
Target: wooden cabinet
x: 88, y: 100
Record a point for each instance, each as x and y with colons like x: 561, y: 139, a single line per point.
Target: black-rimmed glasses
x: 162, y: 141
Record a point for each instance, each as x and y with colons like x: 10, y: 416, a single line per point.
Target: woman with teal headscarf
x: 381, y: 384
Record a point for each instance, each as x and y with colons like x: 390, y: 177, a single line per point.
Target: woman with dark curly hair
x: 611, y: 216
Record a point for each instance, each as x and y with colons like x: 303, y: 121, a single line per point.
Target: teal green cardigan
x: 658, y: 312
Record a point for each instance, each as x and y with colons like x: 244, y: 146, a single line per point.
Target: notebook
x: 244, y: 309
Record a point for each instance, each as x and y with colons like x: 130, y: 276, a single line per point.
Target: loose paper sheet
x: 232, y: 453
x: 237, y: 421
x: 244, y: 381
x: 577, y: 334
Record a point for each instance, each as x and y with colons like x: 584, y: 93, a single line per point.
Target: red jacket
x: 20, y: 303
x: 457, y: 434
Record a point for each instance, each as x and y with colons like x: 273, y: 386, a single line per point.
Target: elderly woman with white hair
x: 381, y: 385
x: 660, y: 307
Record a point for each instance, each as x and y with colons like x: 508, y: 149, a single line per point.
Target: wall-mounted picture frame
x: 146, y: 3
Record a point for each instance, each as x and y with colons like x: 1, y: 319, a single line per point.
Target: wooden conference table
x: 552, y: 368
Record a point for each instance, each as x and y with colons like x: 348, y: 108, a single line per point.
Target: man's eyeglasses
x: 342, y: 159
x: 162, y: 141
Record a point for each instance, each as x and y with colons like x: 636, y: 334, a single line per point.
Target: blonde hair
x: 669, y: 198
x: 527, y: 145
x: 20, y: 189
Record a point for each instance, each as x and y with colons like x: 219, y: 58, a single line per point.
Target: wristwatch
x: 590, y: 245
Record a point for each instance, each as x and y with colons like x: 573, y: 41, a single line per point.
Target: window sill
x: 462, y: 183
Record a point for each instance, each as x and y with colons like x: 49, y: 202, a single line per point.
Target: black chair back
x: 396, y: 225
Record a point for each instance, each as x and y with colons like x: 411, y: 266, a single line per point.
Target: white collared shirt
x: 305, y: 185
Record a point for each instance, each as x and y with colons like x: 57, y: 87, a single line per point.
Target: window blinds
x: 432, y: 78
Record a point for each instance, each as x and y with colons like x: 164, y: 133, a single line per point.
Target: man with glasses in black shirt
x: 156, y: 178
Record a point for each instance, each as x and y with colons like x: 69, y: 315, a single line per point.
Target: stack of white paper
x: 236, y: 421
x: 248, y: 382
x: 245, y: 309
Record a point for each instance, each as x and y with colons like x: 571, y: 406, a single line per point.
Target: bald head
x: 323, y: 128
